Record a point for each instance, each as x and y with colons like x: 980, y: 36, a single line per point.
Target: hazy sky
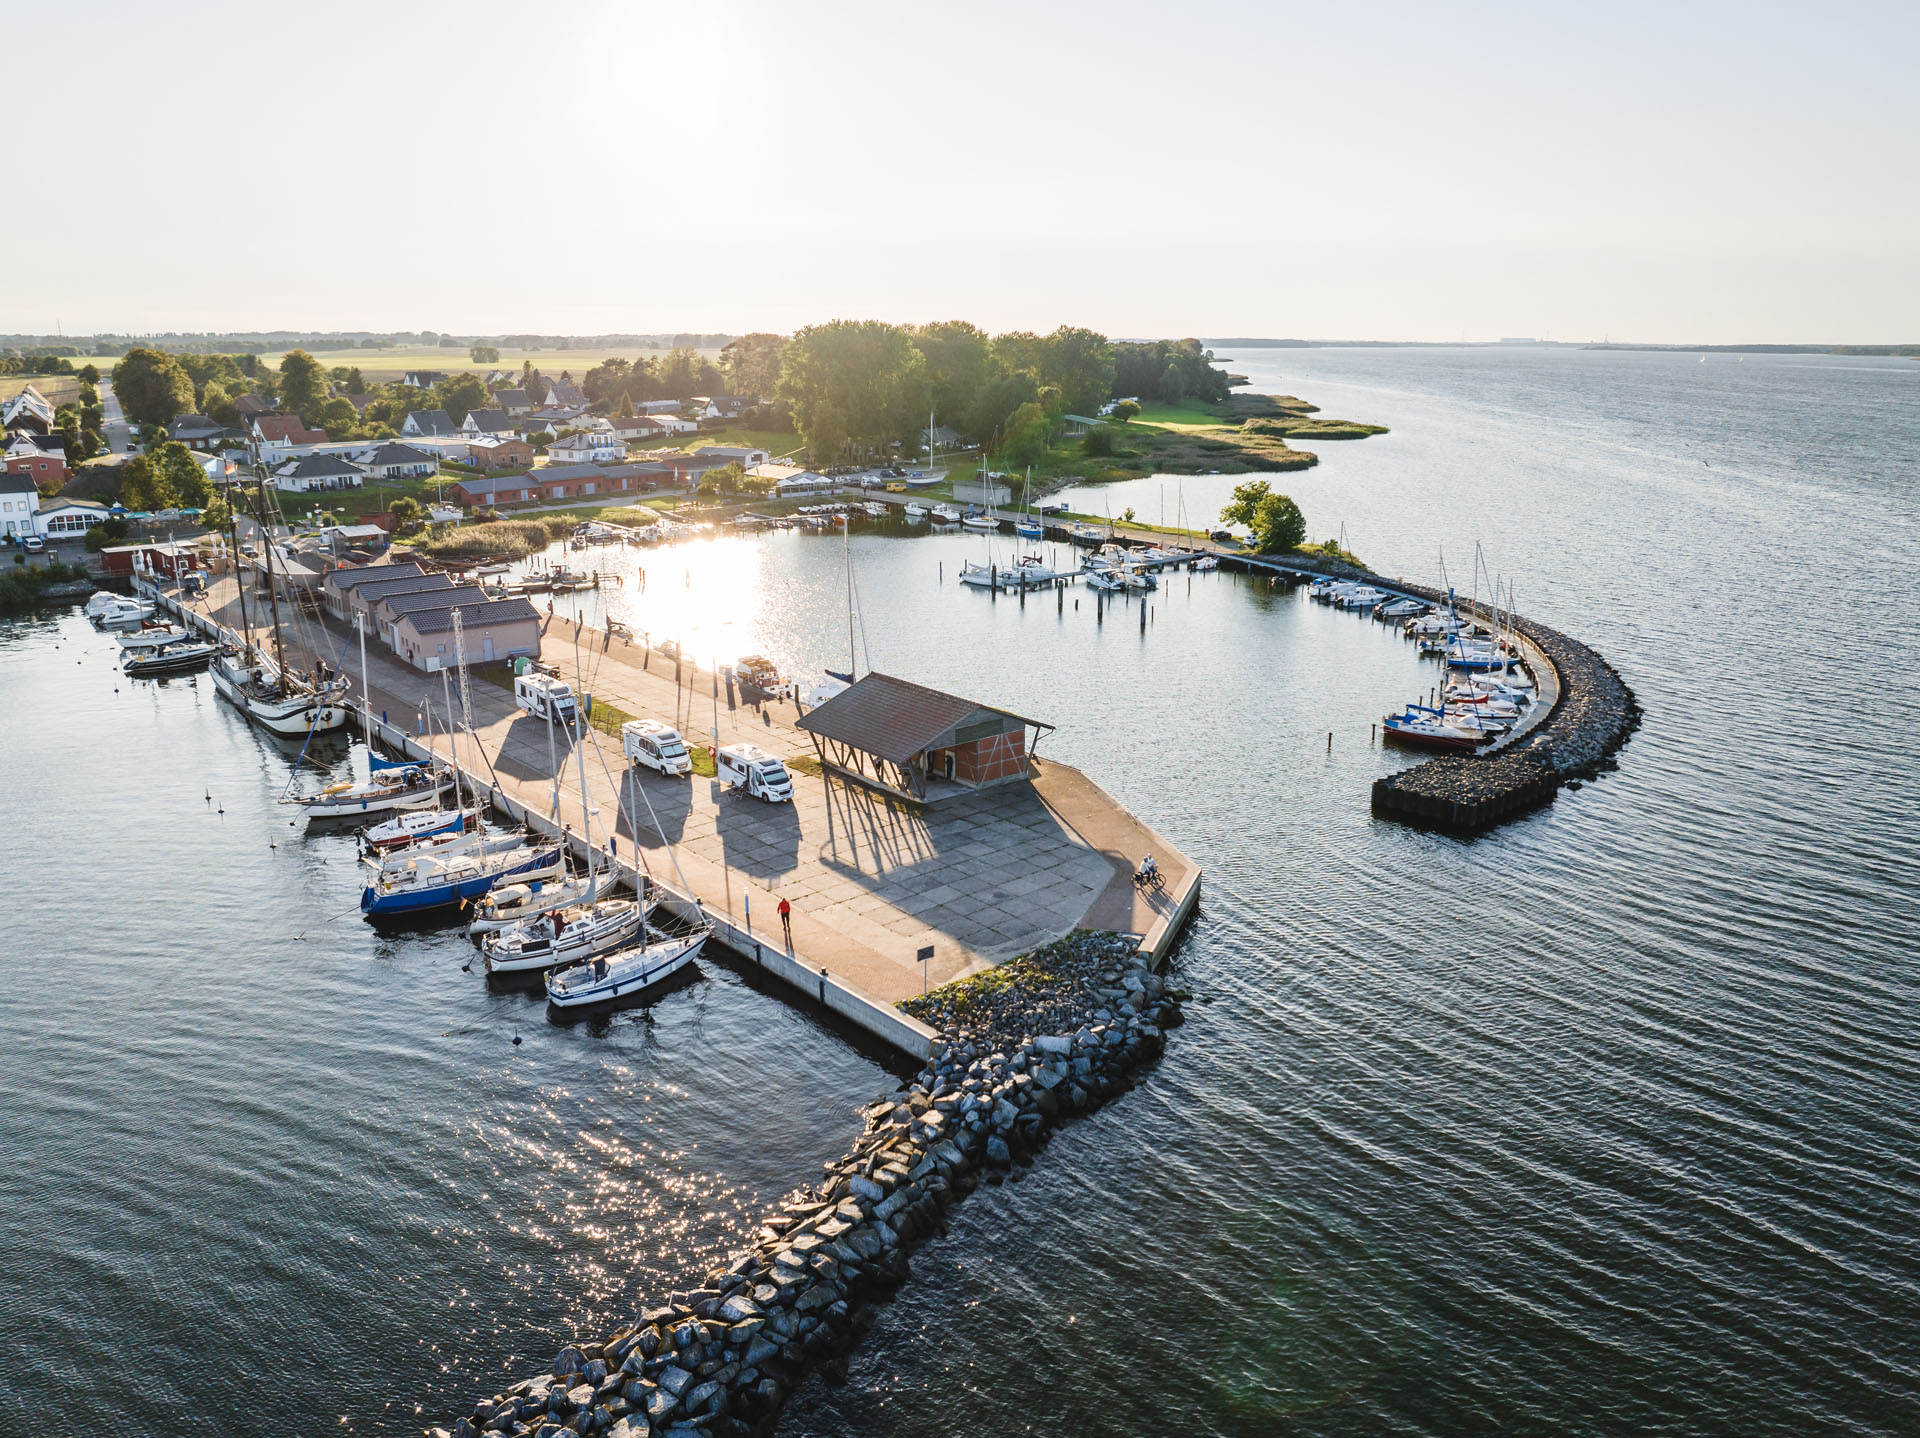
x: 1677, y: 172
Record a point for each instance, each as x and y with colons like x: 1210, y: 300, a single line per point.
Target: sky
x: 1675, y: 173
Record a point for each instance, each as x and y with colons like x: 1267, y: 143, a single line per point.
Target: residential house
x: 316, y: 472
x: 742, y: 455
x: 654, y: 426
x: 19, y: 502
x: 28, y: 410
x: 573, y: 481
x: 280, y: 434
x: 557, y: 415
x: 567, y: 394
x: 589, y: 447
x: 44, y: 464
x: 493, y: 630
x: 430, y: 422
x: 501, y: 454
x: 658, y: 406
x: 422, y: 378
x: 394, y: 460
x: 488, y: 424
x: 361, y: 402
x: 197, y: 432
x: 940, y: 437
x: 163, y: 561
x: 515, y: 402
x: 68, y: 518
x: 390, y: 607
x: 721, y: 406
x: 248, y: 406
x: 344, y: 538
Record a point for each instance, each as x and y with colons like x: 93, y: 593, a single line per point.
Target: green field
x: 58, y: 388
x: 380, y: 366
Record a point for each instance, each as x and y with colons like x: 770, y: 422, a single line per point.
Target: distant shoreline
x: 1901, y: 351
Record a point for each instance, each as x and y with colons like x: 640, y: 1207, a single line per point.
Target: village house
x: 588, y: 447
x: 44, y: 463
x: 350, y: 594
x: 501, y: 454
x: 422, y: 378
x: 247, y: 406
x: 488, y: 424
x: 721, y: 406
x: 197, y: 432
x: 488, y: 491
x: 27, y: 410
x: 741, y: 455
x: 19, y: 502
x: 430, y: 422
x: 658, y: 406
x: 69, y: 518
x: 394, y: 460
x: 391, y: 606
x: 313, y: 472
x: 280, y: 434
x: 492, y: 630
x: 516, y: 402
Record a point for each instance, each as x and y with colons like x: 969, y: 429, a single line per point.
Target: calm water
x: 1603, y: 1123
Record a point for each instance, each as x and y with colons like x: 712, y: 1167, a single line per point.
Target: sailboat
x: 262, y: 689
x: 1026, y: 526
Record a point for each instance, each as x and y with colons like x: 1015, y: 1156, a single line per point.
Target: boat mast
x: 846, y: 532
x: 453, y: 752
x: 460, y: 662
x: 240, y: 582
x: 366, y: 686
x: 273, y: 592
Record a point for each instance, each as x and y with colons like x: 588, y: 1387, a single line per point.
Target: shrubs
x: 515, y: 538
x: 22, y: 584
x: 1098, y: 444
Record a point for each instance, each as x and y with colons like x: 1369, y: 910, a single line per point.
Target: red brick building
x: 47, y: 468
x: 909, y: 739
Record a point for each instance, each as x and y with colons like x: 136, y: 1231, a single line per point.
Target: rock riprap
x: 1024, y: 1048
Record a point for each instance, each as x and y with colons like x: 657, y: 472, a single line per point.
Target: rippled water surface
x: 1602, y: 1123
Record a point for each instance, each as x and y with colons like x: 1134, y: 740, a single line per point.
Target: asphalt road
x: 114, y: 427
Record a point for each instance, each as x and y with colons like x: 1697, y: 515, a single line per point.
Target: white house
x: 318, y: 471
x: 19, y: 502
x: 603, y: 447
x: 741, y: 455
x: 488, y: 424
x: 654, y: 426
x: 63, y: 519
x: 422, y: 378
x: 721, y: 406
x: 29, y: 410
x: 658, y: 406
x: 429, y: 422
x: 281, y: 435
x: 394, y: 460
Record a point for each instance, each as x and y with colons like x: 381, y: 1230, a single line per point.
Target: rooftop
x: 893, y: 718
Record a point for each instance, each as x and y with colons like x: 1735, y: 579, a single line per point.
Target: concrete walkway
x: 872, y: 878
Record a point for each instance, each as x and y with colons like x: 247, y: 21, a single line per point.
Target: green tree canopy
x: 144, y: 486
x: 303, y: 383
x: 183, y: 476
x: 484, y: 354
x: 458, y: 395
x: 1275, y: 520
x: 852, y: 383
x: 751, y: 365
x: 1028, y: 430
x: 960, y: 364
x: 1080, y: 363
x: 1125, y: 410
x: 152, y: 385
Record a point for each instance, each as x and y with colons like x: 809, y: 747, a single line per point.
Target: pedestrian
x: 786, y: 923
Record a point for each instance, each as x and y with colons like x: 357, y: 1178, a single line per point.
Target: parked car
x: 34, y: 544
x: 1221, y: 536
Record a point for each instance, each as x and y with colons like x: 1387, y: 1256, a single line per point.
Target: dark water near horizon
x: 1603, y: 1123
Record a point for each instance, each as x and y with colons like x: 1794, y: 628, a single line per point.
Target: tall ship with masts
x: 262, y: 686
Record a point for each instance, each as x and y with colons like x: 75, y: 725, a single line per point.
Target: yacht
x: 627, y: 972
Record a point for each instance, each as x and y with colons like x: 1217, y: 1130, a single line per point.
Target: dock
x: 872, y: 878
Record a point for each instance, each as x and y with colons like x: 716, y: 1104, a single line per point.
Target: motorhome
x: 756, y: 772
x: 544, y: 696
x: 650, y: 743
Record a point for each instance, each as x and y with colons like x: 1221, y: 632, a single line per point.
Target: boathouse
x: 919, y: 742
x: 493, y: 629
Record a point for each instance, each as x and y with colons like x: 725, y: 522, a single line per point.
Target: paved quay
x: 871, y: 878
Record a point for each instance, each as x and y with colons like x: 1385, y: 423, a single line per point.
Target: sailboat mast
x: 366, y: 685
x: 273, y: 591
x: 240, y: 582
x: 846, y: 531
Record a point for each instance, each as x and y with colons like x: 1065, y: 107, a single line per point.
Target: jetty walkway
x: 872, y: 878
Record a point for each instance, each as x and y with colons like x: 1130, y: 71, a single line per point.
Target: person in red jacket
x: 786, y: 923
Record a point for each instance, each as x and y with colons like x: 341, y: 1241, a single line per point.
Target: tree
x: 1080, y: 362
x: 339, y: 419
x: 107, y: 531
x: 1125, y: 410
x: 356, y: 382
x: 727, y: 479
x: 89, y: 372
x: 215, y: 404
x: 216, y: 514
x: 144, y: 486
x: 1025, y: 441
x: 152, y: 385
x: 303, y: 382
x: 1275, y: 520
x: 960, y: 364
x: 183, y: 476
x: 852, y: 383
x: 460, y: 394
x: 407, y: 514
x: 484, y: 354
x: 751, y: 365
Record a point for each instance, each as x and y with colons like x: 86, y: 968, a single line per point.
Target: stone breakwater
x: 1593, y: 716
x: 1025, y: 1047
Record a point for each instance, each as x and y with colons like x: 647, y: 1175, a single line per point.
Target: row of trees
x: 1168, y: 370
x: 679, y: 374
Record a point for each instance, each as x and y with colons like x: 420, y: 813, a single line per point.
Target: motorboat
x: 945, y: 514
x: 915, y: 511
x: 152, y: 636
x: 418, y: 824
x: 1029, y: 529
x: 100, y: 601
x: 121, y: 611
x: 1028, y: 573
x: 1104, y: 579
x: 409, y: 788
x: 170, y: 659
x: 1399, y: 609
x: 980, y: 520
x: 556, y: 937
x: 626, y: 972
x: 1204, y: 563
x: 436, y: 883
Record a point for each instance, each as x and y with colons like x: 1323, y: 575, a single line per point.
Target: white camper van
x: 544, y: 696
x: 754, y: 771
x: 649, y: 742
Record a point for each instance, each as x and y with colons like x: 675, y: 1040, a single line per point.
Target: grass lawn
x: 776, y: 442
x: 382, y: 366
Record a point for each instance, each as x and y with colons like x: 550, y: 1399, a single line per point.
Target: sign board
x: 926, y: 953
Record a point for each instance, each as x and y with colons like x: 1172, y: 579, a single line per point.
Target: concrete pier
x: 872, y: 878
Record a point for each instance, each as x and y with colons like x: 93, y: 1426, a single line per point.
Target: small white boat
x: 121, y: 611
x: 1104, y: 579
x: 983, y: 522
x: 625, y: 973
x: 915, y: 511
x: 1205, y: 562
x: 417, y: 824
x: 391, y: 862
x: 558, y: 937
x: 944, y: 514
x: 100, y: 601
x: 152, y: 636
x: 512, y: 904
x: 410, y: 788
